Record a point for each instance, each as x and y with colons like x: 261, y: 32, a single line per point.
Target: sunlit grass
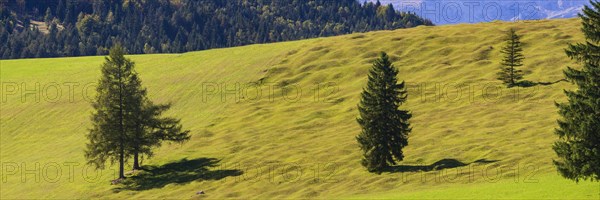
x: 291, y: 144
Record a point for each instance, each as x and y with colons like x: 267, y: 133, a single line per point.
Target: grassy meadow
x: 289, y: 130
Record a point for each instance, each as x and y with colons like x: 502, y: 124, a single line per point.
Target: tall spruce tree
x: 578, y: 146
x: 152, y: 130
x: 118, y: 102
x: 513, y: 59
x: 385, y: 127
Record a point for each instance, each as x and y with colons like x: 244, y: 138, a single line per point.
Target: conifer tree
x: 385, y: 127
x: 118, y: 102
x: 578, y: 147
x: 513, y: 59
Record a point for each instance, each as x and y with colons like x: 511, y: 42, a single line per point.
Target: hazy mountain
x: 473, y: 11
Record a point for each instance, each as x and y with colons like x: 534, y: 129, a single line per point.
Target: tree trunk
x: 121, y: 164
x: 122, y: 125
x: 136, y: 163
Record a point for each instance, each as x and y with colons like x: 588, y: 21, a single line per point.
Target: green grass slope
x: 294, y: 136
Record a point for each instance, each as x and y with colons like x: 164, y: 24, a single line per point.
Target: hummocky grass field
x: 289, y: 130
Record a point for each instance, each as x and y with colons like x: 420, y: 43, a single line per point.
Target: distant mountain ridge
x: 474, y: 11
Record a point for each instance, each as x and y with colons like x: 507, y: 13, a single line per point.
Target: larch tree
x: 118, y: 102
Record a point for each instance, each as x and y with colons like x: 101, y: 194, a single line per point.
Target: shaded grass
x: 526, y: 83
x: 439, y: 165
x: 180, y: 172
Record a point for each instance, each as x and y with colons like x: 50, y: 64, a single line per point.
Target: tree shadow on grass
x: 525, y: 84
x: 439, y: 165
x: 180, y: 172
x: 552, y: 83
